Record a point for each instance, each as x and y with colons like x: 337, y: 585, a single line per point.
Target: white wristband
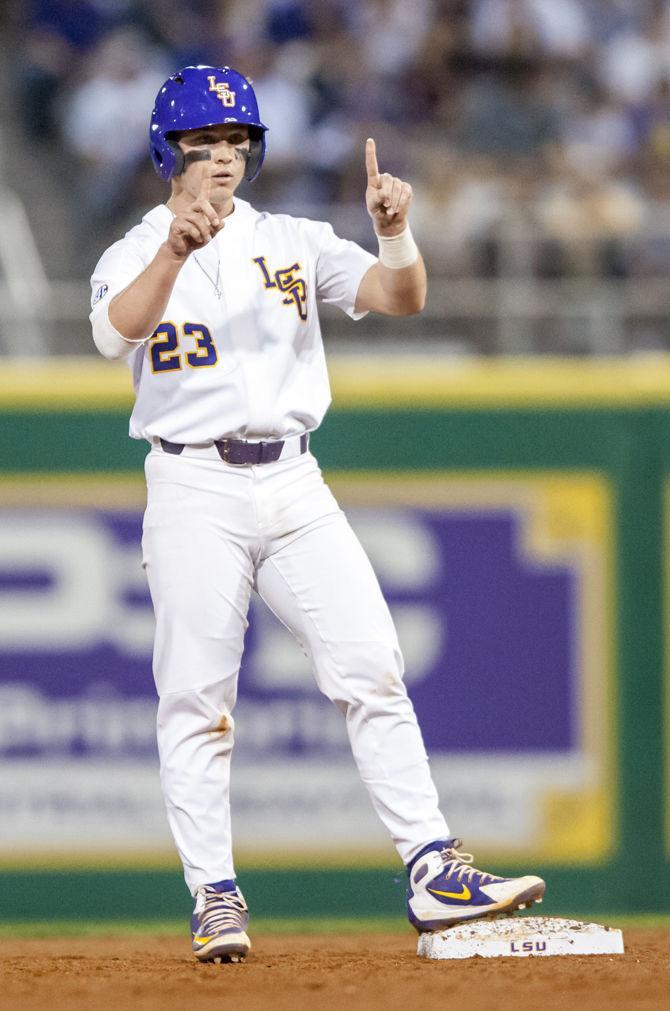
x: 396, y: 251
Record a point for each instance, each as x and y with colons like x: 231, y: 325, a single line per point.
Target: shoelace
x: 459, y: 864
x: 220, y: 910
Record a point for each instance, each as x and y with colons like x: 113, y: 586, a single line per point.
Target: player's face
x: 228, y: 145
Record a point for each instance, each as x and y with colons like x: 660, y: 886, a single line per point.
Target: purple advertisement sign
x: 491, y: 626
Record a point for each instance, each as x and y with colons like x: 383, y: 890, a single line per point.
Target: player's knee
x: 362, y: 672
x: 202, y: 710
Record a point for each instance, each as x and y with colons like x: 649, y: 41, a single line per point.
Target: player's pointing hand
x: 198, y: 223
x: 388, y: 198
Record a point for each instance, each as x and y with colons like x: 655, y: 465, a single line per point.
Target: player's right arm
x: 138, y: 309
x: 133, y: 314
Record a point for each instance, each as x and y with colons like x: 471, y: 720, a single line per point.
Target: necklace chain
x: 216, y: 284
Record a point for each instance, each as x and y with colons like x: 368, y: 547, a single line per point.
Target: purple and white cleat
x: 219, y: 923
x: 444, y: 889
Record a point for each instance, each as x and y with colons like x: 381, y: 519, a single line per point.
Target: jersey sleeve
x: 117, y: 268
x: 340, y: 268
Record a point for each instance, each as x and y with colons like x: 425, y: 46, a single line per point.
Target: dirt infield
x: 358, y: 971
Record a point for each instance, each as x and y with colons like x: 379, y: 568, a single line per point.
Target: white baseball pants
x: 212, y: 531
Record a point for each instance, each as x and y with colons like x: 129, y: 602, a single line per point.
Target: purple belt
x: 238, y: 452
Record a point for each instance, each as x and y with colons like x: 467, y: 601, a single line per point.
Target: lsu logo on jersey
x: 223, y: 92
x: 285, y: 281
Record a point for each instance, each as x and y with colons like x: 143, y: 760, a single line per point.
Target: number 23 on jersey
x: 167, y: 353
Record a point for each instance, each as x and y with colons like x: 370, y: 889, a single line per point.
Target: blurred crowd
x: 548, y: 118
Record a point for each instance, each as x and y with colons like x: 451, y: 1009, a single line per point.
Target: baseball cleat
x: 444, y: 889
x: 219, y: 923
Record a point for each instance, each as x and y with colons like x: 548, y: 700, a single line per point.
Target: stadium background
x: 504, y: 456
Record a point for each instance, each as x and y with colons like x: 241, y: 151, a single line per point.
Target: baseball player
x: 214, y: 304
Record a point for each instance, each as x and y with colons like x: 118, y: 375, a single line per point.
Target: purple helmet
x: 203, y: 96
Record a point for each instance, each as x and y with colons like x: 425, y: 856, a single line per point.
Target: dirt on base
x: 366, y: 971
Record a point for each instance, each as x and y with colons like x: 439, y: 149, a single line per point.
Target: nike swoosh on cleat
x: 464, y: 895
x: 202, y: 940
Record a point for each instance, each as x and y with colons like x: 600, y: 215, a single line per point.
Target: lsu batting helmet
x: 203, y: 96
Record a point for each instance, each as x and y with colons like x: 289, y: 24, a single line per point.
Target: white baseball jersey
x: 239, y: 352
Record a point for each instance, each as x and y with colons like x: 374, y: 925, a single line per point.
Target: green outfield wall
x: 590, y: 439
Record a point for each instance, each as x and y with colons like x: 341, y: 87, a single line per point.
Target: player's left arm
x: 396, y: 285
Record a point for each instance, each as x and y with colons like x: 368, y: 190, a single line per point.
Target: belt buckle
x: 264, y: 452
x: 228, y: 448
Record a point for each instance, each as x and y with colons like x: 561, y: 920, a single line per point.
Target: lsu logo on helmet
x: 222, y: 90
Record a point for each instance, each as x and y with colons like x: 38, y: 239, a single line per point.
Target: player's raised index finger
x: 206, y: 182
x: 371, y: 162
